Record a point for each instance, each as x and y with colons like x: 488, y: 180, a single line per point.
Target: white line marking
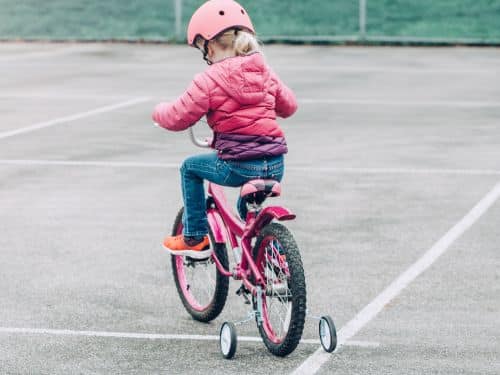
x: 39, y: 54
x: 80, y: 96
x: 401, y: 103
x: 333, y: 101
x: 90, y: 163
x: 126, y: 164
x: 390, y: 70
x: 152, y: 336
x: 62, y: 96
x: 74, y: 117
x: 473, y: 172
x: 312, y: 364
x: 360, y: 344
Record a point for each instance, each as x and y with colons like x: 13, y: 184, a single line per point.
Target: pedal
x: 242, y: 291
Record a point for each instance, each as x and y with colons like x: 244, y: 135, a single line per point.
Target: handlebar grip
x: 204, y: 143
x: 196, y: 141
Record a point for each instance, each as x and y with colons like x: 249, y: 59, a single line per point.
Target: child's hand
x: 159, y: 109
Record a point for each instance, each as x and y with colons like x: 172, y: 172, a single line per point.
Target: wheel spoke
x: 210, y: 284
x: 278, y: 302
x: 200, y: 280
x: 202, y: 289
x: 280, y: 265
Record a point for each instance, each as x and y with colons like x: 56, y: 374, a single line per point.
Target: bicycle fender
x: 217, y: 226
x: 269, y: 213
x: 276, y: 212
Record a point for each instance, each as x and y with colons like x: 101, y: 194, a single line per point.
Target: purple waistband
x: 240, y: 146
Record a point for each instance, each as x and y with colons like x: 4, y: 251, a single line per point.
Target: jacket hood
x: 244, y: 78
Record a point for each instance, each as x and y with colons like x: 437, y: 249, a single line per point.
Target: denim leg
x: 209, y: 167
x: 194, y: 171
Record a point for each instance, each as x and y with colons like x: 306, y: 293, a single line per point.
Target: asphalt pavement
x: 390, y: 149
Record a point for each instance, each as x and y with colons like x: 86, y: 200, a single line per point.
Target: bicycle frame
x: 282, y: 279
x: 227, y: 229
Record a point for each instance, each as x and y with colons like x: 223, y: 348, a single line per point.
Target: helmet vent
x: 242, y: 11
x: 221, y: 12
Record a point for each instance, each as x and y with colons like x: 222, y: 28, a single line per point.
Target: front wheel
x: 201, y: 287
x: 284, y: 300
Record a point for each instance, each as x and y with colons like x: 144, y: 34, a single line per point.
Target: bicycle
x: 267, y: 262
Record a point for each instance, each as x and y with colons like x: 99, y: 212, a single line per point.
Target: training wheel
x: 228, y: 340
x: 327, y: 334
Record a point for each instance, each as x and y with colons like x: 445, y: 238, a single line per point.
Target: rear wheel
x: 201, y: 287
x: 284, y: 300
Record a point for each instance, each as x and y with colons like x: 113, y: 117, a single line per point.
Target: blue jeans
x: 196, y: 169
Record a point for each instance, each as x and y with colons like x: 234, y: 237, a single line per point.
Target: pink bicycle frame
x: 227, y: 229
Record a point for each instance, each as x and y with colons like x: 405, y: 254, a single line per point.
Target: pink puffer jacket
x: 239, y: 95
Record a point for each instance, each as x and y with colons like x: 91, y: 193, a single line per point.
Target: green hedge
x: 154, y: 19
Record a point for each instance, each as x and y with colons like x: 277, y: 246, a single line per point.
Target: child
x: 241, y: 98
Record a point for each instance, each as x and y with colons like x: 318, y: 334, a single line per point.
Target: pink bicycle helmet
x: 216, y: 16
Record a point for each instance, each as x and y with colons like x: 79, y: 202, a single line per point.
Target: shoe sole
x: 201, y: 254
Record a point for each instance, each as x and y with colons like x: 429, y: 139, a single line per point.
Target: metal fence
x: 363, y: 34
x: 328, y: 21
x: 180, y: 27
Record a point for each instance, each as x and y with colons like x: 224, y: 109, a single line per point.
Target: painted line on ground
x: 29, y: 56
x: 83, y: 96
x: 153, y: 336
x: 306, y: 101
x: 313, y: 363
x: 292, y: 168
x: 90, y: 163
x: 423, y: 171
x: 78, y: 116
x: 403, y: 103
x: 65, y: 96
x: 282, y: 67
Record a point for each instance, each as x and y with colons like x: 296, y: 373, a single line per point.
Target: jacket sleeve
x: 187, y: 109
x: 286, y: 103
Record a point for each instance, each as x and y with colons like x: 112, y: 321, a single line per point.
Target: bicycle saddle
x: 256, y: 191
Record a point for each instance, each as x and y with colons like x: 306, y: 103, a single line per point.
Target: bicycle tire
x: 208, y: 310
x: 295, y: 295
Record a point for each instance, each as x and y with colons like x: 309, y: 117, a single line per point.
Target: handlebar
x: 204, y: 143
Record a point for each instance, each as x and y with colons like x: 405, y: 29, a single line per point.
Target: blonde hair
x: 240, y: 41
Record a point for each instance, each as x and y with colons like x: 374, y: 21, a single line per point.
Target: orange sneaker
x: 176, y: 245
